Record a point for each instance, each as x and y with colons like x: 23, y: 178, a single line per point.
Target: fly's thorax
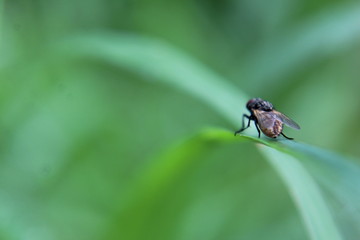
x: 260, y: 104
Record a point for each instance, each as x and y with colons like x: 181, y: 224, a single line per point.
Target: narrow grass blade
x: 305, y: 193
x: 158, y: 61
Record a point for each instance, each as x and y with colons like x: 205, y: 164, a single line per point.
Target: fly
x: 266, y: 118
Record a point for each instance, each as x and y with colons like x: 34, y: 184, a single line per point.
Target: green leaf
x: 305, y: 193
x: 162, y: 63
x: 302, y: 187
x: 157, y: 61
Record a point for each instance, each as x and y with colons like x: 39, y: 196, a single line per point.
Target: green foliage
x: 317, y: 217
x: 118, y: 118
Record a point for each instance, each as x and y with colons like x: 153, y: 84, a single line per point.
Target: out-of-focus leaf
x: 158, y: 61
x: 305, y: 193
x: 316, y: 38
x: 341, y: 178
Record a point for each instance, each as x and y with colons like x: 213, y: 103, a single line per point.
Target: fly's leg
x: 257, y: 128
x: 243, y: 124
x: 287, y: 137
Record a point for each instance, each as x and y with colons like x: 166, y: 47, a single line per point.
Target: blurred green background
x: 85, y: 129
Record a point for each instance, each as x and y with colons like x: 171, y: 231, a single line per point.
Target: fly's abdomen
x: 274, y: 130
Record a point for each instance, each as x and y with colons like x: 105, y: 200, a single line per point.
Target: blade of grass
x: 303, y: 189
x: 305, y: 193
x: 160, y: 62
x: 157, y: 61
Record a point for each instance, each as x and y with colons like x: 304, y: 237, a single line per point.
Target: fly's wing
x: 269, y: 123
x: 286, y: 120
x: 266, y: 120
